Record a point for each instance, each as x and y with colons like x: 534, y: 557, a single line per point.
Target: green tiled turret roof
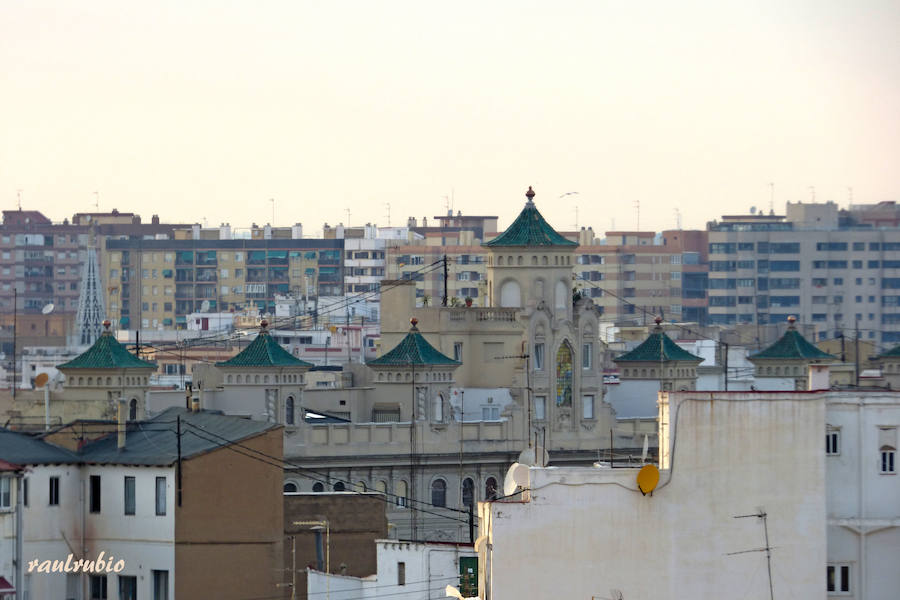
x: 264, y: 351
x: 530, y: 229
x: 792, y: 346
x: 893, y: 353
x: 107, y: 353
x: 413, y: 350
x: 658, y: 347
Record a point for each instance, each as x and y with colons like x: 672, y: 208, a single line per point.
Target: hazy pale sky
x: 198, y: 110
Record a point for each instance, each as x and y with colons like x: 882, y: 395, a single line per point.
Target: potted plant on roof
x: 468, y: 301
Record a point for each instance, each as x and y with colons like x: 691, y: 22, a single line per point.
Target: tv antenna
x: 760, y: 514
x: 388, y: 205
x: 771, y: 197
x: 677, y: 219
x: 272, y: 200
x: 19, y: 199
x: 812, y: 192
x: 637, y: 212
x: 97, y: 201
x: 348, y: 216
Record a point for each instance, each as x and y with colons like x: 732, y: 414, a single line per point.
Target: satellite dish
x: 647, y: 478
x: 517, y: 477
x: 42, y: 379
x: 536, y: 457
x: 204, y: 306
x: 48, y: 308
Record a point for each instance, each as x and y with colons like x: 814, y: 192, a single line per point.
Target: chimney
x: 123, y: 412
x: 198, y: 399
x: 818, y: 377
x: 188, y: 392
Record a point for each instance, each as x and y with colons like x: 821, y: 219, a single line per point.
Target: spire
x: 530, y: 195
x: 89, y: 317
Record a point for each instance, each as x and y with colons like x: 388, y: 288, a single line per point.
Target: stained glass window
x: 564, y: 375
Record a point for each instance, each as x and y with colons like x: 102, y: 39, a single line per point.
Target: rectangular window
x: 24, y: 491
x: 587, y: 355
x: 5, y: 492
x: 587, y: 410
x: 401, y: 573
x: 888, y: 464
x: 833, y: 442
x: 540, y: 408
x: 457, y: 351
x: 838, y: 578
x: 54, y: 491
x: 160, y: 585
x: 490, y: 413
x: 539, y: 356
x: 99, y: 590
x: 129, y: 495
x: 127, y: 587
x: 160, y: 496
x: 95, y: 494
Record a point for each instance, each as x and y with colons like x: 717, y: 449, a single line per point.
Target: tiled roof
x: 264, y: 351
x: 107, y: 353
x: 154, y: 441
x: 892, y: 353
x: 413, y: 350
x: 658, y: 347
x: 530, y: 229
x: 20, y: 449
x: 792, y: 345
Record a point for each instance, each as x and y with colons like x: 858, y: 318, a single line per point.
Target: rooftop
x: 107, y: 353
x: 792, y: 346
x: 530, y: 229
x: 264, y: 351
x: 658, y: 347
x: 413, y: 350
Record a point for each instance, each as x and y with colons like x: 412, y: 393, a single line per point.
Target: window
x: 95, y: 493
x: 289, y: 488
x: 98, y: 587
x: 401, y: 493
x: 887, y: 444
x: 24, y: 491
x: 339, y: 486
x: 833, y: 441
x: 160, y: 585
x: 468, y: 492
x: 888, y: 465
x: 439, y: 492
x: 318, y: 487
x: 490, y: 413
x: 5, y: 492
x: 540, y: 408
x: 289, y: 410
x: 457, y: 351
x: 401, y: 573
x: 587, y: 410
x: 127, y: 587
x: 539, y: 356
x: 54, y: 491
x: 564, y: 375
x: 129, y: 495
x: 132, y: 410
x: 838, y: 578
x: 160, y: 496
x: 587, y: 353
x: 490, y: 489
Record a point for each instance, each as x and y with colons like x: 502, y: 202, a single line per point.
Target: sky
x: 352, y: 111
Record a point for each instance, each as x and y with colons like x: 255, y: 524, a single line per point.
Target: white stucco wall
x: 633, y: 398
x: 588, y: 531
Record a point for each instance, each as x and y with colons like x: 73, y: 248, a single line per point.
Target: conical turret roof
x: 792, y: 346
x: 264, y: 351
x: 658, y: 347
x: 530, y: 229
x: 413, y: 349
x: 106, y: 353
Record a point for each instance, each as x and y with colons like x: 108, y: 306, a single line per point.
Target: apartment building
x: 158, y: 283
x: 811, y: 263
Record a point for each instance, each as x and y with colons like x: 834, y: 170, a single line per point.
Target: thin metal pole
x: 768, y: 555
x: 178, y: 443
x: 293, y: 567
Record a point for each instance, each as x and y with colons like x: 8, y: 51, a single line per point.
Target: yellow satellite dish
x: 647, y: 478
x: 41, y: 380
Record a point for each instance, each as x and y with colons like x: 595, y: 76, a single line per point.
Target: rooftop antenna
x: 272, y: 200
x: 19, y: 199
x: 97, y: 201
x: 388, y: 205
x: 850, y: 195
x: 771, y: 197
x: 348, y: 216
x: 447, y: 206
x: 677, y: 219
x: 637, y: 211
x: 812, y: 192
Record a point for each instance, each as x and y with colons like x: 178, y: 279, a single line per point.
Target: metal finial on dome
x: 412, y: 324
x: 530, y: 195
x: 791, y: 320
x: 263, y: 324
x: 658, y: 321
x: 106, y: 325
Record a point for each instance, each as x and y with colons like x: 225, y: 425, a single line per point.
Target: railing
x: 501, y: 315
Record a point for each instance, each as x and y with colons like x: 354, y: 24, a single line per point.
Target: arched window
x: 439, y: 492
x: 289, y: 410
x: 510, y: 294
x: 499, y: 261
x: 490, y: 489
x: 520, y: 261
x: 564, y: 375
x: 401, y: 494
x: 468, y: 492
x: 339, y: 486
x: 534, y: 261
x: 439, y: 409
x: 132, y: 410
x: 381, y: 487
x: 318, y: 487
x: 359, y: 487
x: 290, y: 487
x: 562, y: 295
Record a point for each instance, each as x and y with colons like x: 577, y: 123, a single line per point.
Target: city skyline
x: 181, y: 109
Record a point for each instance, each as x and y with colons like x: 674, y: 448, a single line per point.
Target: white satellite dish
x: 517, y: 477
x: 204, y: 306
x: 48, y: 308
x: 536, y: 457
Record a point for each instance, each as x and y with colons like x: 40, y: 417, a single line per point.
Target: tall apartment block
x: 157, y: 283
x: 837, y: 269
